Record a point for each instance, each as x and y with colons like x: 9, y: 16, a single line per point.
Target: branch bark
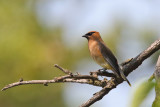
x: 83, y: 79
x: 92, y: 79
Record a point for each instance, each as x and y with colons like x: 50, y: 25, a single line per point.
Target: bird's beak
x: 84, y: 36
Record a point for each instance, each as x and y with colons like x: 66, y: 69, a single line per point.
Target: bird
x: 102, y: 55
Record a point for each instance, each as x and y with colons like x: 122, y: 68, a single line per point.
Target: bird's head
x: 92, y: 35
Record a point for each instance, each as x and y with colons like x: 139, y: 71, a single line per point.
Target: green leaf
x: 141, y: 93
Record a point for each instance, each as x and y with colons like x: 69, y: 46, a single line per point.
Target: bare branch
x: 137, y: 61
x: 83, y: 79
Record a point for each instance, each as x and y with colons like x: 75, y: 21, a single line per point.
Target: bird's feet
x: 104, y: 72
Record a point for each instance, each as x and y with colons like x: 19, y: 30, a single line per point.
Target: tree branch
x: 83, y: 79
x: 92, y: 79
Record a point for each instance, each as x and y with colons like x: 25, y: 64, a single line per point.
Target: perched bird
x: 103, y: 55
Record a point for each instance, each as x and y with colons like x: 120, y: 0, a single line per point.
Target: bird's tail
x: 124, y: 77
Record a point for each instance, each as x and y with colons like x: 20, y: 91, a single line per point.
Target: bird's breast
x: 95, y: 52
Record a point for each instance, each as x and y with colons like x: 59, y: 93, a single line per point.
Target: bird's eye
x: 90, y: 33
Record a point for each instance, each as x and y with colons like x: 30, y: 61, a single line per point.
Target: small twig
x: 21, y: 79
x: 62, y: 69
x: 77, y: 73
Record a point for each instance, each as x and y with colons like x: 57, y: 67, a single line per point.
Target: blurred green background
x: 29, y: 51
x: 29, y: 48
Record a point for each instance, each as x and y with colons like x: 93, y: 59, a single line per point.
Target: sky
x: 99, y: 15
x: 76, y: 17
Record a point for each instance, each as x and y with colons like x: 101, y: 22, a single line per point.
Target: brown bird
x: 103, y: 55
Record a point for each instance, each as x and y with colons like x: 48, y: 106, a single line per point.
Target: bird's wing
x: 109, y: 57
